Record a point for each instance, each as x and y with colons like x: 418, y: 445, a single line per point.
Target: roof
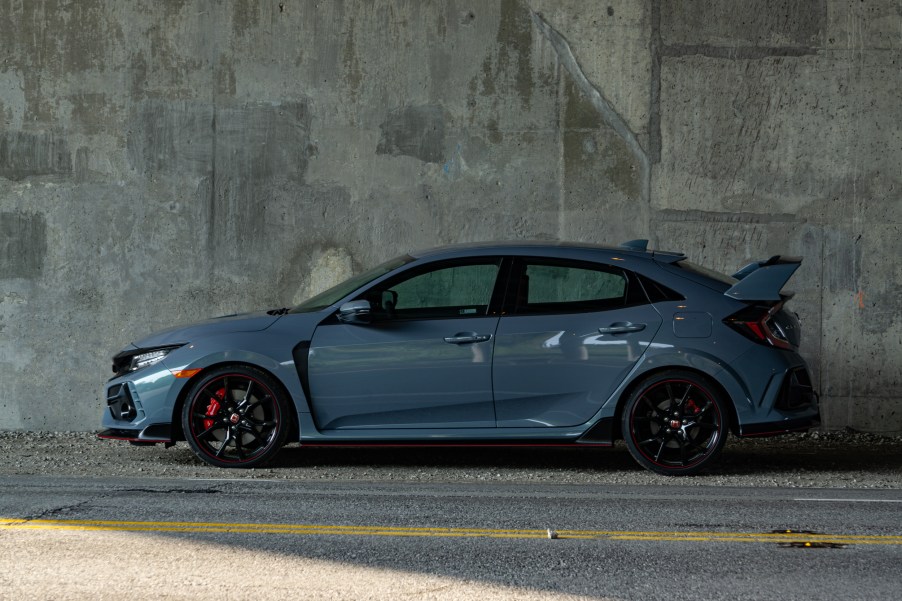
x: 531, y: 246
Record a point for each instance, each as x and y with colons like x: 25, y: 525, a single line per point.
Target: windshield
x: 336, y: 293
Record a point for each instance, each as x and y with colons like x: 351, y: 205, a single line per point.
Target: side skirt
x: 598, y: 435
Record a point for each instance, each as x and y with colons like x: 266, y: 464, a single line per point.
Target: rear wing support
x: 763, y: 280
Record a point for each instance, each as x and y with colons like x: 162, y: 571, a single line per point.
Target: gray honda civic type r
x: 485, y: 344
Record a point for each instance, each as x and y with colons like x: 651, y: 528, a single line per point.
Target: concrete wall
x: 162, y: 161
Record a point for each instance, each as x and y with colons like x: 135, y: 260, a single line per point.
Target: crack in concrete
x: 610, y: 116
x: 654, y: 105
x: 675, y: 215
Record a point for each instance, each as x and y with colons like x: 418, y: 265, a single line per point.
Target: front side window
x: 548, y: 288
x: 455, y: 290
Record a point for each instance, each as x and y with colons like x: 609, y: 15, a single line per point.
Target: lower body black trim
x: 448, y: 444
x: 799, y: 424
x: 153, y: 433
x: 601, y: 433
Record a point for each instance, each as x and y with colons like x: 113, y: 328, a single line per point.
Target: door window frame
x: 634, y: 294
x: 495, y: 300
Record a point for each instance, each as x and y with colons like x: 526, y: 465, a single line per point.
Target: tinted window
x: 456, y: 290
x: 657, y: 292
x: 569, y: 288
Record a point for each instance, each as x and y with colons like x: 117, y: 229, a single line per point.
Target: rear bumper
x: 794, y: 410
x: 797, y: 424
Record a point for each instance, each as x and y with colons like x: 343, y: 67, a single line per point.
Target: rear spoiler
x: 662, y: 256
x: 763, y: 280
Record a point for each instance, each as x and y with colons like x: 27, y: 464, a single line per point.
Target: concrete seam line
x: 593, y: 94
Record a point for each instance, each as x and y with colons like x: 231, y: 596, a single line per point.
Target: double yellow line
x: 325, y: 530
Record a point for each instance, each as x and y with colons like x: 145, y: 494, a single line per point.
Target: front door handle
x: 622, y: 328
x: 467, y: 338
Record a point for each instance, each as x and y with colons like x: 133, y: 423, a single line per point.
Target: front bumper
x: 140, y: 406
x: 151, y: 434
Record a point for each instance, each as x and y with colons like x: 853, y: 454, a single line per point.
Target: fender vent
x: 796, y: 392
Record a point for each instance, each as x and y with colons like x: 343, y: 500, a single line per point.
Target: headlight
x: 146, y: 359
x: 149, y: 358
x: 133, y: 359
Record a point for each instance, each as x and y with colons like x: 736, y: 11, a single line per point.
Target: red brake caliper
x: 213, y: 407
x: 691, y: 407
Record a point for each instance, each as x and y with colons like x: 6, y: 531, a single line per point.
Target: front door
x: 425, y: 360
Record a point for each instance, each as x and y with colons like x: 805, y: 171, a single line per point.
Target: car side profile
x: 505, y: 343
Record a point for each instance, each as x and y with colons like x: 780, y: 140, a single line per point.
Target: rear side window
x: 657, y: 292
x: 552, y: 288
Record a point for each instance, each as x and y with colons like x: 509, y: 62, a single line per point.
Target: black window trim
x: 635, y: 294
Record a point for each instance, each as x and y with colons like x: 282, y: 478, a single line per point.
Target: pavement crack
x: 169, y: 491
x: 56, y: 511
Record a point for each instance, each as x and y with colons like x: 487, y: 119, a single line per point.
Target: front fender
x: 255, y: 351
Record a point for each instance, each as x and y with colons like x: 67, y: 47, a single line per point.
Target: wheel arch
x: 178, y: 434
x: 633, y: 385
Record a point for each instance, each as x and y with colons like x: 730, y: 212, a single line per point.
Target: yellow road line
x: 326, y: 530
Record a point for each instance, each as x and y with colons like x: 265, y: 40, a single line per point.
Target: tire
x: 235, y: 416
x: 675, y: 423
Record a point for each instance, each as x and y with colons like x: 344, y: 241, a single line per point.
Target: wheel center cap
x: 675, y: 424
x: 235, y: 418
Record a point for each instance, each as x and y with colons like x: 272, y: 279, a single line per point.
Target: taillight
x: 757, y: 323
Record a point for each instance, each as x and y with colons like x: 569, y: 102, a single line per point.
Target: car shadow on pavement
x: 837, y: 453
x: 825, y: 460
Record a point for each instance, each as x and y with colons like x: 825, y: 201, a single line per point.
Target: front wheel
x: 675, y: 423
x: 235, y: 416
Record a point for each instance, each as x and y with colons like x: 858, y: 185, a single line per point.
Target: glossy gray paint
x: 402, y: 375
x: 403, y: 382
x: 763, y: 283
x: 557, y: 370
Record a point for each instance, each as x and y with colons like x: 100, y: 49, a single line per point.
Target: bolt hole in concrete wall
x: 164, y: 162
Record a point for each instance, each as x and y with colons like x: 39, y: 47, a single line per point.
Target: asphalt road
x: 79, y: 538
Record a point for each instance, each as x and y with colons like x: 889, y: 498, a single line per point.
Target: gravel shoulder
x: 814, y: 460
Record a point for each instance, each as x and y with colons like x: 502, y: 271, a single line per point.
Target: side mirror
x: 389, y: 301
x: 357, y: 312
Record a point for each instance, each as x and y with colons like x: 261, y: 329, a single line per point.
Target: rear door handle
x: 622, y: 328
x: 467, y: 338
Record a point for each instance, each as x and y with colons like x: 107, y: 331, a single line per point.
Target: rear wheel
x: 235, y: 416
x: 675, y: 423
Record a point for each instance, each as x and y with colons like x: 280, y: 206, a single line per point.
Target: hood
x: 226, y: 324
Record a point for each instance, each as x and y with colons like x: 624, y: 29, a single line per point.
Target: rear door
x: 571, y: 335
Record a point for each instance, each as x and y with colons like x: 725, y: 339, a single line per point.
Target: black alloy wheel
x: 235, y: 416
x: 675, y: 423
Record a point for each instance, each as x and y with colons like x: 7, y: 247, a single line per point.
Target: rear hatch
x: 760, y: 286
x: 765, y: 320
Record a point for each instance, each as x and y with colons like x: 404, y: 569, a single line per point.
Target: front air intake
x: 121, y: 405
